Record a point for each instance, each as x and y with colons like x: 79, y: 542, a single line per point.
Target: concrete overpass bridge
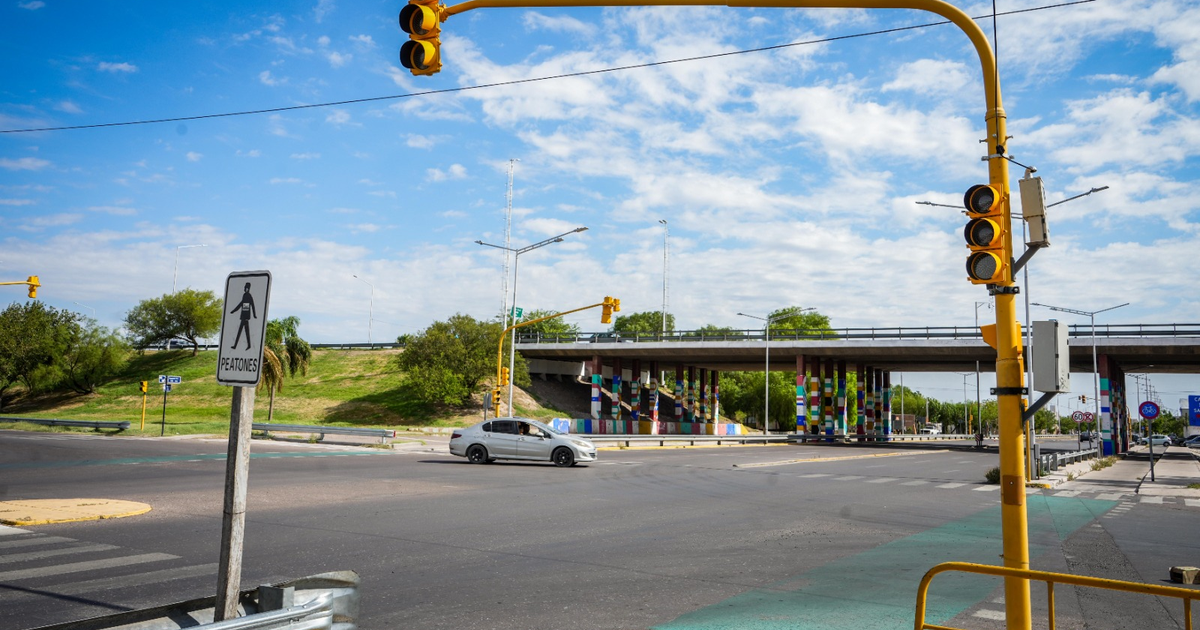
x: 626, y: 367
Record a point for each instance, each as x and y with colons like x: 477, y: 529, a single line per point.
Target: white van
x: 930, y: 431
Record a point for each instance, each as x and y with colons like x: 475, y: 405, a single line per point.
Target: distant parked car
x: 520, y: 438
x: 1086, y: 436
x: 1159, y: 440
x: 1192, y: 442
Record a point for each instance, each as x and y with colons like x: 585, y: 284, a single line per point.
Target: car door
x: 502, y: 440
x: 533, y: 442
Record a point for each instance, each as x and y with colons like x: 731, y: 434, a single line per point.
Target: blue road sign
x: 1194, y: 411
x: 162, y: 378
x: 1148, y: 409
x: 166, y: 388
x: 174, y: 380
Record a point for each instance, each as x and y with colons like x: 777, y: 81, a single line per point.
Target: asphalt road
x: 737, y: 537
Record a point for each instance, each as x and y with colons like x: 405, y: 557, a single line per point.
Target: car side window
x: 487, y: 427
x: 504, y: 426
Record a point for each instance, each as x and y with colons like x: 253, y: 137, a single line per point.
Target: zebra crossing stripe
x: 5, y: 530
x: 135, y: 579
x: 32, y: 542
x: 952, y: 485
x: 40, y: 555
x: 77, y: 567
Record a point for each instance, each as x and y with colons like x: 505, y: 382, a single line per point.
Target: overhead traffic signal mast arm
x: 500, y: 348
x: 1009, y: 373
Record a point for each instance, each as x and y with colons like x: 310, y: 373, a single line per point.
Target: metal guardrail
x: 1187, y: 595
x: 55, y: 422
x: 841, y: 334
x: 1053, y: 461
x: 891, y: 437
x: 382, y: 434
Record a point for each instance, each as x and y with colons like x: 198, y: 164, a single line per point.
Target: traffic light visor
x: 418, y: 19
x: 982, y: 233
x: 981, y: 199
x: 984, y: 266
x: 418, y: 54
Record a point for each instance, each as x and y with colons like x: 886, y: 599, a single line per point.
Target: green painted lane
x: 877, y: 589
x: 176, y: 458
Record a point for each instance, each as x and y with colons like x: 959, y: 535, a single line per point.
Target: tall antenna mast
x: 512, y: 164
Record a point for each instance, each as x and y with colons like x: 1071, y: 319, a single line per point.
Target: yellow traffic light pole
x: 608, y: 303
x: 1005, y: 336
x: 33, y: 283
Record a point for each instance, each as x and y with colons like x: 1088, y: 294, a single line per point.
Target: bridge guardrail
x: 842, y: 334
x: 55, y: 422
x: 691, y: 440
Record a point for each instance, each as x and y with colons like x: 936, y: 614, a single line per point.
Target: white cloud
x: 32, y: 6
x: 253, y: 153
x: 69, y: 107
x: 338, y: 117
x: 35, y: 224
x: 323, y: 9
x: 456, y: 171
x: 337, y: 60
x: 24, y: 164
x: 305, y: 156
x: 535, y: 21
x: 114, y: 210
x: 367, y: 228
x: 117, y: 67
x: 926, y: 76
x: 364, y: 41
x: 323, y: 40
x: 192, y: 156
x: 266, y: 79
x: 16, y: 202
x: 286, y: 180
x: 418, y: 141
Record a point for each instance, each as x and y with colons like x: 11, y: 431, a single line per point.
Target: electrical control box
x: 1051, y: 357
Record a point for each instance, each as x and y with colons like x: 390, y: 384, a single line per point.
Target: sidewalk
x: 1174, y: 469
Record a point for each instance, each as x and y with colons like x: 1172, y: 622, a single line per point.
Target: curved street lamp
x: 767, y: 321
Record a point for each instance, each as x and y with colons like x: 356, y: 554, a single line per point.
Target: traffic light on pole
x: 609, y: 306
x: 144, y: 387
x: 985, y: 235
x: 33, y: 283
x: 422, y: 53
x: 496, y: 399
x: 504, y: 376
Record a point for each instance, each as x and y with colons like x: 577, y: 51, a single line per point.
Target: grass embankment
x: 343, y: 387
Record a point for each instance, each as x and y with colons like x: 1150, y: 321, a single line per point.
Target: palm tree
x: 284, y: 355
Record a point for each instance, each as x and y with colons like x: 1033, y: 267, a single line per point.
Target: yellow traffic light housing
x: 607, y: 308
x: 145, y: 387
x: 504, y: 376
x: 421, y: 19
x: 496, y: 399
x: 985, y: 235
x: 33, y: 283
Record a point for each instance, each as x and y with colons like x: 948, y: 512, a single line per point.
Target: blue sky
x: 788, y: 177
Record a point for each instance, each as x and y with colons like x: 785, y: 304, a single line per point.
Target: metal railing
x: 266, y: 427
x: 1053, y: 461
x: 1187, y: 595
x: 834, y: 334
x: 605, y: 439
x: 55, y: 422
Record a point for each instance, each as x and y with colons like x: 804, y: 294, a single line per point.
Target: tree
x: 713, y: 330
x: 187, y: 315
x: 800, y: 323
x: 646, y: 322
x: 549, y: 328
x: 33, y: 338
x: 284, y: 354
x: 93, y: 357
x: 447, y: 362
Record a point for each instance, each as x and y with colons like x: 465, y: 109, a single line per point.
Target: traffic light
x: 421, y: 19
x: 496, y: 399
x: 144, y: 387
x: 985, y: 236
x: 609, y: 306
x: 1083, y: 399
x: 33, y: 283
x: 504, y: 376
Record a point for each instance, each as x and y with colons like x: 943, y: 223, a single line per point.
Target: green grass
x: 346, y: 388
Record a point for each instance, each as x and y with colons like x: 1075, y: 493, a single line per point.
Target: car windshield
x: 545, y: 427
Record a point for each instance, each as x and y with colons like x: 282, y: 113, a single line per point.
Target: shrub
x: 993, y: 475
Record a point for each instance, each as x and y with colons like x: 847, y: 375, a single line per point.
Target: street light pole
x: 666, y: 234
x: 86, y: 306
x: 1095, y: 361
x: 175, y: 276
x: 370, y: 310
x: 767, y: 321
x: 516, y: 252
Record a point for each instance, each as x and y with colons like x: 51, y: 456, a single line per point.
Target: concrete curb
x: 49, y: 511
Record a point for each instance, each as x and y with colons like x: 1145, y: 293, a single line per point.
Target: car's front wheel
x: 477, y: 455
x: 563, y: 457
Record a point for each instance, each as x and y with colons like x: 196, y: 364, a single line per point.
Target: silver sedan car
x: 520, y: 438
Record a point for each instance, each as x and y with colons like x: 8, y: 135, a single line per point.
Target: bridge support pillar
x: 827, y: 368
x: 691, y: 394
x: 678, y: 393
x: 801, y: 394
x: 652, y: 403
x: 887, y: 403
x: 1114, y: 422
x: 879, y: 418
x: 840, y: 424
x: 869, y: 405
x: 814, y: 398
x: 635, y: 397
x: 716, y: 398
x: 702, y: 416
x: 860, y: 388
x: 597, y: 378
x: 616, y: 395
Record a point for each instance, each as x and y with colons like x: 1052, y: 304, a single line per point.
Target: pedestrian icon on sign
x: 247, y: 308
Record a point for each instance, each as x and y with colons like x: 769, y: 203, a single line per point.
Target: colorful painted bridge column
x: 860, y: 387
x: 678, y: 393
x: 597, y: 379
x: 887, y: 403
x: 702, y: 417
x: 652, y: 405
x: 635, y: 396
x: 879, y: 419
x: 716, y: 398
x: 827, y: 369
x: 616, y: 395
x: 801, y: 394
x: 840, y: 422
x: 691, y: 394
x: 814, y: 398
x: 869, y: 406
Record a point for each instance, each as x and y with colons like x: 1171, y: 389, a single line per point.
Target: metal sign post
x: 1149, y: 411
x: 239, y: 363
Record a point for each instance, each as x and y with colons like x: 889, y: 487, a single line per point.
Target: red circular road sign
x: 1077, y: 416
x: 1148, y: 409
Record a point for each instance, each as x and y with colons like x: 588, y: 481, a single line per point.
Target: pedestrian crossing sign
x: 243, y: 328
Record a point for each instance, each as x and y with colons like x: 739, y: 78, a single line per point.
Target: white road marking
x: 30, y: 542
x: 952, y: 485
x: 915, y: 482
x: 998, y: 615
x: 135, y: 579
x: 881, y: 480
x: 1154, y: 500
x: 38, y: 555
x: 1066, y: 493
x: 1111, y: 496
x: 76, y: 567
x: 1192, y: 502
x: 848, y: 478
x: 5, y: 530
x: 986, y: 488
